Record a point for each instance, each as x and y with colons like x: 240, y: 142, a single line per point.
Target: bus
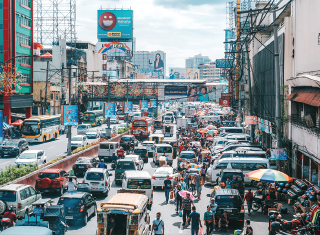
x: 95, y: 117
x: 144, y: 125
x: 41, y: 128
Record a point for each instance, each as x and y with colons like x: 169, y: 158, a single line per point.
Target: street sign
x: 128, y: 107
x: 278, y: 154
x: 224, y: 102
x: 226, y: 95
x: 224, y: 63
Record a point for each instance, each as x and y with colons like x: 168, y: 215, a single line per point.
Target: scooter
x: 113, y: 164
x: 5, y: 223
x: 257, y: 203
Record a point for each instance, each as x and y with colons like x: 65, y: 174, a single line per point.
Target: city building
x: 194, y: 62
x: 16, y: 42
x: 209, y: 72
x: 151, y: 63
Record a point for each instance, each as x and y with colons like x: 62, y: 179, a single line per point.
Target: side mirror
x: 110, y: 174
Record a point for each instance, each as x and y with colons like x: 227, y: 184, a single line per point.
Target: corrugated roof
x: 310, y: 96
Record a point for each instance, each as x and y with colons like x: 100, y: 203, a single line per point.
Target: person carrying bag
x: 209, y: 220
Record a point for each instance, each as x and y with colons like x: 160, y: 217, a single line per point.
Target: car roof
x: 137, y: 174
x: 246, y: 152
x: 32, y: 151
x: 231, y: 170
x: 187, y: 152
x: 162, y: 145
x: 220, y: 192
x: 77, y: 136
x: 131, y: 155
x: 76, y: 194
x: 140, y: 147
x: 164, y: 168
x: 96, y: 170
x: 148, y: 142
x: 242, y: 159
x: 126, y: 135
x: 13, y: 187
x: 51, y: 170
x: 125, y: 160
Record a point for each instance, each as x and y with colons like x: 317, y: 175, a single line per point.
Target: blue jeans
x: 194, y: 231
x: 179, y: 204
x: 167, y: 192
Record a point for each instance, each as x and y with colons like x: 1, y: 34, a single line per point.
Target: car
x: 13, y: 148
x: 188, y: 156
x: 114, y: 120
x: 160, y: 175
x: 84, y: 163
x: 122, y: 125
x: 149, y: 145
x: 98, y: 180
x: 122, y: 166
x: 52, y: 180
x: 78, y: 141
x: 37, y: 157
x: 127, y: 140
x: 236, y: 177
x: 93, y: 134
x: 142, y: 152
x: 137, y: 159
x: 228, y: 200
x: 83, y: 129
x: 196, y: 144
x: 19, y: 196
x: 121, y: 116
x: 79, y: 206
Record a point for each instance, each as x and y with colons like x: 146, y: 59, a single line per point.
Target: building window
x: 25, y: 59
x: 51, y: 96
x: 25, y: 2
x: 23, y: 39
x: 26, y: 78
x: 22, y: 19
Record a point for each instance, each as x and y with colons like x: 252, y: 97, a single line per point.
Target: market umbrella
x: 183, y: 193
x: 212, y: 132
x: 46, y: 56
x: 202, y: 130
x: 6, y: 126
x: 19, y: 122
x: 269, y: 175
x: 210, y: 139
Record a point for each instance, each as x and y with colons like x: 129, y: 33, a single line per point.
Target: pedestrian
x: 223, y: 221
x: 186, y: 206
x: 10, y: 215
x: 193, y: 184
x: 198, y: 187
x: 102, y: 164
x: 158, y: 225
x: 208, y: 220
x: 213, y: 208
x: 178, y: 198
x: 71, y: 186
x: 203, y: 171
x: 249, y: 198
x: 182, y: 184
x: 195, y: 221
x: 167, y: 187
x: 249, y: 229
x: 228, y: 183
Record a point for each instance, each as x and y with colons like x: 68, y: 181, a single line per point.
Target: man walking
x: 186, y: 206
x: 158, y: 225
x: 167, y: 186
x: 195, y: 221
x: 249, y: 198
x: 178, y: 198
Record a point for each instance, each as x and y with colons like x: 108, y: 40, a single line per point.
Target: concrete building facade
x: 195, y: 61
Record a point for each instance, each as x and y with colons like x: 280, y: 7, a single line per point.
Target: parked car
x: 19, y: 196
x: 126, y: 140
x: 114, y: 120
x: 137, y: 160
x: 79, y: 206
x: 236, y: 177
x: 93, y: 133
x: 98, y: 180
x: 142, y: 152
x: 13, y: 148
x: 78, y: 141
x: 160, y: 175
x: 83, y: 129
x: 31, y: 157
x: 84, y: 163
x: 52, y: 180
x: 122, y: 166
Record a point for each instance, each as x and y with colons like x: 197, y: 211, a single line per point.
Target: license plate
x: 5, y: 152
x: 228, y: 210
x: 69, y: 217
x: 80, y: 166
x: 46, y: 191
x: 94, y: 188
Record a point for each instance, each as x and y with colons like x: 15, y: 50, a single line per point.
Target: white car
x: 93, y: 133
x: 31, y: 156
x: 137, y: 159
x: 149, y: 145
x: 160, y: 175
x: 78, y: 141
x: 98, y: 180
x: 114, y: 120
x: 196, y: 144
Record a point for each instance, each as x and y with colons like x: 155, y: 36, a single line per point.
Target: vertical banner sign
x: 1, y: 126
x: 278, y: 154
x: 144, y: 105
x: 128, y: 107
x: 230, y: 83
x: 153, y: 103
x: 69, y: 115
x: 109, y: 109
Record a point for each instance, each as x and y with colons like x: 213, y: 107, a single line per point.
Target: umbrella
x: 183, y: 193
x: 211, y: 127
x: 269, y: 175
x: 6, y: 126
x: 201, y: 130
x: 210, y: 139
x: 193, y: 166
x: 212, y: 132
x: 19, y: 122
x: 46, y: 56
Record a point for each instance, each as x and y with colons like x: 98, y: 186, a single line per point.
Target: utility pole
x: 109, y: 99
x: 127, y: 115
x: 277, y: 80
x: 46, y: 91
x: 92, y: 90
x: 250, y: 94
x: 237, y: 80
x: 69, y: 127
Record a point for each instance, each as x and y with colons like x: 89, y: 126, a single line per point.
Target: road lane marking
x: 60, y: 154
x: 4, y: 162
x: 52, y: 147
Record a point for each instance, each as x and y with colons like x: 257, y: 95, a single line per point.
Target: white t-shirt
x: 71, y: 186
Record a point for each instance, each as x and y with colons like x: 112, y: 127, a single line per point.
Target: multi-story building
x: 209, y: 72
x: 16, y: 42
x: 194, y: 62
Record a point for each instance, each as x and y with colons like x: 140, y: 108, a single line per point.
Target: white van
x: 83, y: 129
x: 149, y: 145
x: 98, y: 180
x: 138, y: 181
x: 231, y: 130
x: 136, y: 115
x: 163, y: 150
x: 240, y: 137
x: 106, y: 149
x: 244, y: 163
x: 242, y: 152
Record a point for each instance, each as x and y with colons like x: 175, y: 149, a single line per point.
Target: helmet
x: 10, y: 208
x: 275, y: 226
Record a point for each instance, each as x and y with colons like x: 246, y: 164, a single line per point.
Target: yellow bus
x: 41, y: 128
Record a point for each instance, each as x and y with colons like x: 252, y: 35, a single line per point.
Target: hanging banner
x: 250, y: 120
x: 153, y: 103
x: 144, y: 105
x: 109, y: 110
x: 224, y: 102
x: 128, y: 107
x: 278, y: 154
x: 69, y: 115
x: 1, y: 126
x: 261, y: 125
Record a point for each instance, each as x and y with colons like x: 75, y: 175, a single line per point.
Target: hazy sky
x: 181, y: 28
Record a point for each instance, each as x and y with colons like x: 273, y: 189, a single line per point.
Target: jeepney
x: 124, y: 213
x: 157, y: 138
x: 168, y: 130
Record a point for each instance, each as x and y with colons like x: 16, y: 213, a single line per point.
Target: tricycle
x: 56, y: 218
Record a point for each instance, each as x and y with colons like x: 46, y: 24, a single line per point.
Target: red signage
x: 104, y: 56
x: 104, y: 66
x: 230, y: 83
x: 224, y: 102
x: 226, y: 95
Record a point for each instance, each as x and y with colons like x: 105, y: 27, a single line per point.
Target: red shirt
x: 248, y: 196
x: 12, y: 216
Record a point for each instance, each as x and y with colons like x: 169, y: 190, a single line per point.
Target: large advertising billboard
x: 114, y: 24
x: 193, y: 73
x: 175, y: 92
x: 201, y: 93
x: 177, y: 73
x: 113, y: 49
x: 109, y: 110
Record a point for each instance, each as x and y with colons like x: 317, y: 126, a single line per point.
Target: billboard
x: 224, y: 102
x: 193, y: 73
x: 153, y: 103
x: 224, y: 63
x: 114, y: 24
x: 201, y: 93
x: 1, y: 125
x: 177, y: 73
x: 69, y: 115
x: 128, y: 107
x: 115, y: 48
x: 144, y: 105
x: 278, y: 154
x: 175, y: 92
x: 109, y: 110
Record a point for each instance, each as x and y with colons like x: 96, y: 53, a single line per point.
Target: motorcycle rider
x: 114, y: 159
x: 11, y: 215
x: 102, y: 164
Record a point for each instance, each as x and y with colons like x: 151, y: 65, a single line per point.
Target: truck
x: 182, y: 122
x: 191, y: 111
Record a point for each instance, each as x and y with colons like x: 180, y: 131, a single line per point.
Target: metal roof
x: 137, y: 174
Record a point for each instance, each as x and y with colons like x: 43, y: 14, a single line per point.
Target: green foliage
x: 81, y: 148
x: 123, y: 130
x: 13, y: 172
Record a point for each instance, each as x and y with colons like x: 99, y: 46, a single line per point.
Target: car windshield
x: 162, y: 172
x: 164, y: 149
x: 233, y: 130
x: 139, y: 184
x: 7, y: 196
x: 48, y: 175
x: 167, y: 118
x: 10, y: 143
x: 83, y: 160
x: 70, y: 202
x: 228, y: 199
x: 95, y: 176
x: 125, y: 166
x: 126, y: 138
x: 143, y: 151
x: 261, y: 155
x: 131, y: 158
x: 232, y: 176
x: 76, y: 139
x: 28, y: 156
x: 30, y: 128
x: 147, y: 145
x: 187, y: 155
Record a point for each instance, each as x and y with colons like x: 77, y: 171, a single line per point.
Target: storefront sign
x: 224, y: 102
x: 250, y: 120
x: 278, y: 154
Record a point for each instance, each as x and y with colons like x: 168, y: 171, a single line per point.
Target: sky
x: 180, y: 28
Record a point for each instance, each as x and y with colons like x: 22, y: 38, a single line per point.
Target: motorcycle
x: 257, y: 203
x: 113, y: 164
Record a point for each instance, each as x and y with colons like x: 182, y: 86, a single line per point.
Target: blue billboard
x: 153, y: 103
x: 128, y: 107
x: 114, y: 24
x: 278, y: 154
x: 69, y: 115
x: 144, y: 105
x: 224, y: 63
x: 109, y: 109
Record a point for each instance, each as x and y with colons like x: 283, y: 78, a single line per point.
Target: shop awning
x: 6, y: 126
x: 19, y: 122
x: 310, y: 96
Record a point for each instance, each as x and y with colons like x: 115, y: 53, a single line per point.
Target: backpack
x: 247, y: 231
x: 203, y: 171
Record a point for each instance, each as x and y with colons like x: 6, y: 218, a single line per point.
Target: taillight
x: 243, y: 184
x: 146, y: 154
x: 88, y: 165
x: 223, y: 184
x: 151, y: 193
x: 106, y: 184
x: 74, y: 166
x: 83, y: 181
x: 242, y: 208
x: 121, y: 140
x: 82, y: 208
x: 153, y: 177
x: 19, y: 205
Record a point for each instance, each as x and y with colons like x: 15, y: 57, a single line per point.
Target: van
x: 163, y: 150
x: 243, y: 153
x: 230, y: 130
x: 98, y: 180
x: 106, y: 149
x: 243, y: 163
x: 135, y: 115
x: 138, y: 181
x: 239, y: 137
x: 83, y: 129
x: 129, y: 212
x: 157, y: 138
x: 149, y: 145
x: 167, y: 119
x: 123, y: 166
